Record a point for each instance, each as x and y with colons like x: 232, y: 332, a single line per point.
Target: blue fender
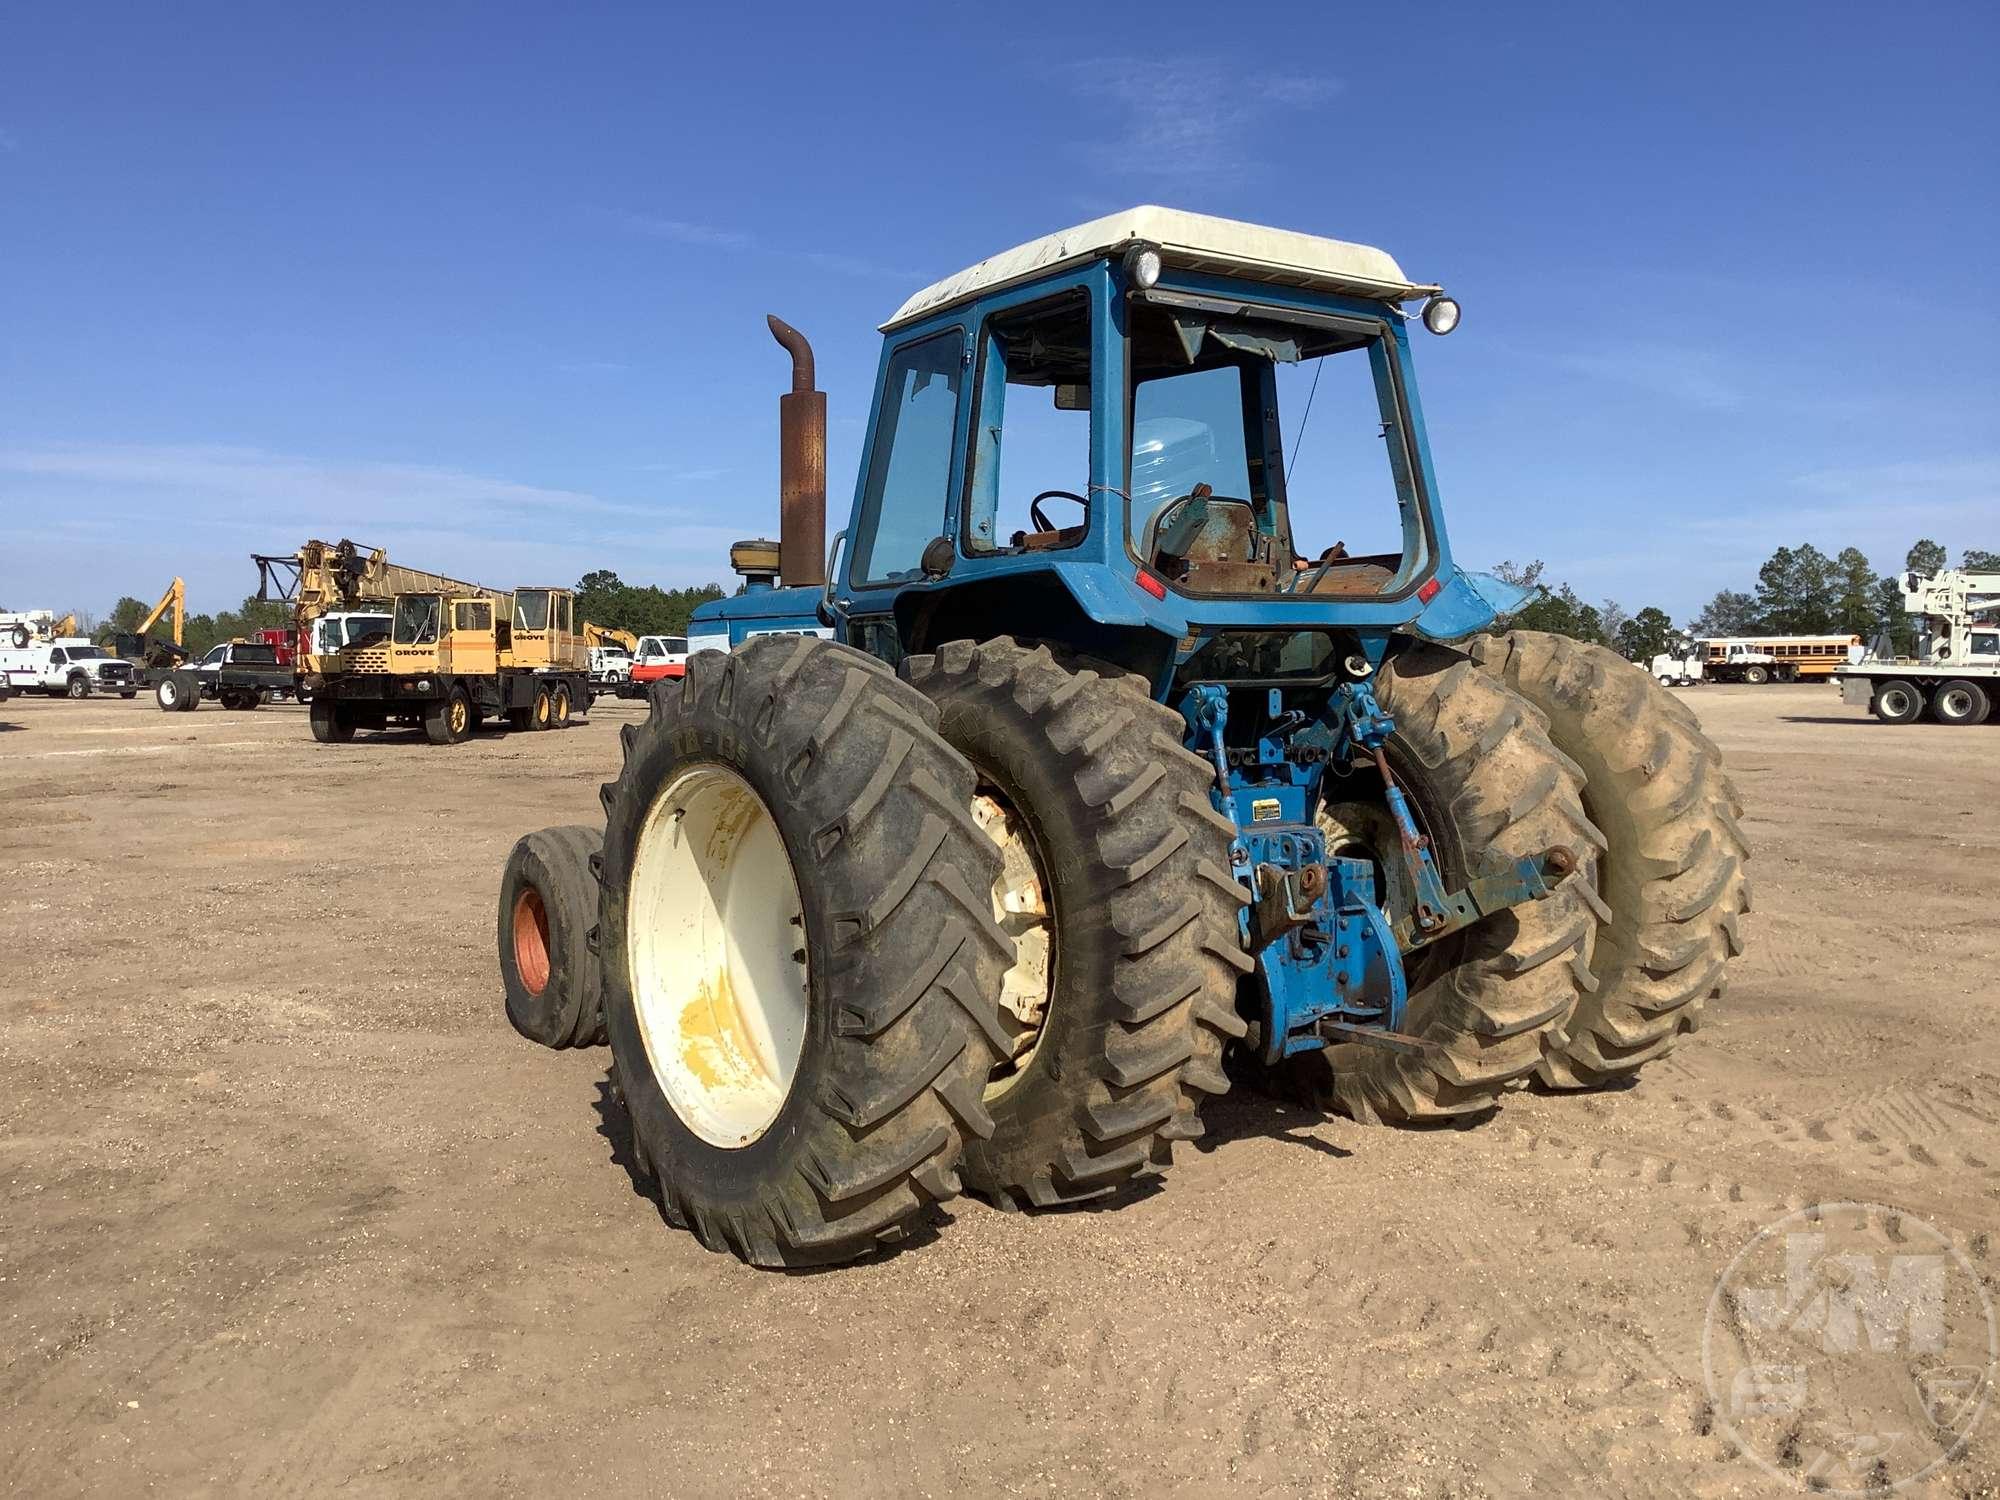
x: 1467, y: 604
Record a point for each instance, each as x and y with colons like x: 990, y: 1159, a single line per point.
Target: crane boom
x: 175, y: 598
x: 325, y: 576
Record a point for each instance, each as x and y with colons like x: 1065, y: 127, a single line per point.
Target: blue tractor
x: 973, y: 853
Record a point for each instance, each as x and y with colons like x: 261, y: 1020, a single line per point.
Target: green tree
x: 1979, y: 560
x: 1611, y: 619
x: 1646, y: 634
x: 1728, y: 613
x: 1856, y: 608
x: 604, y: 599
x: 1925, y: 557
x: 1889, y: 618
x: 1797, y: 591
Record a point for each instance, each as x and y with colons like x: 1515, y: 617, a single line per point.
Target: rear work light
x: 1428, y: 590
x: 1151, y: 584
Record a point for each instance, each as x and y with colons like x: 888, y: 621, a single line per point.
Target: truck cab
x: 544, y: 633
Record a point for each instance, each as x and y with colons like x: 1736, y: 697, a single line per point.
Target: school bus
x: 1776, y: 658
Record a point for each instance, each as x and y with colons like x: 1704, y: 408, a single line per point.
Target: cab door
x: 910, y: 474
x: 471, y: 649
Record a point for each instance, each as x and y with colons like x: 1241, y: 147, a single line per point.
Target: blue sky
x: 484, y: 284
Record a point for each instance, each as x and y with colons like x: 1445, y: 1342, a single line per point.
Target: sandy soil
x: 285, y: 1207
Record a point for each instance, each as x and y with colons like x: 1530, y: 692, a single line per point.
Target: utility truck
x: 67, y: 667
x: 1105, y: 773
x: 1953, y: 673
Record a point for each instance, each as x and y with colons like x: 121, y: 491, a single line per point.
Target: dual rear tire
x: 800, y: 956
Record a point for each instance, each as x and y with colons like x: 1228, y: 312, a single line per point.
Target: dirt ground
x: 287, y: 1208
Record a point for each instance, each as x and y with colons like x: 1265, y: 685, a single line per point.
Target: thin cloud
x: 1686, y: 375
x: 1186, y: 122
x: 716, y: 237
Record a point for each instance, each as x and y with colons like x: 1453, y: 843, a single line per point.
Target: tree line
x: 1799, y: 591
x: 601, y: 598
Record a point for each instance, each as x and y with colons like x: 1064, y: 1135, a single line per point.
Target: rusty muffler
x: 801, y: 465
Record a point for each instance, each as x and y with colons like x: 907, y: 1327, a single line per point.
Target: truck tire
x: 548, y: 904
x: 21, y: 636
x: 77, y: 686
x: 803, y: 1058
x: 559, y: 708
x: 167, y: 693
x: 1756, y: 676
x: 1960, y: 702
x: 329, y: 725
x: 1671, y: 884
x: 448, y: 720
x: 1897, y: 701
x: 1117, y: 891
x: 1484, y: 782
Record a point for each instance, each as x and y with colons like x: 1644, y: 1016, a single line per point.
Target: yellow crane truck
x: 454, y: 657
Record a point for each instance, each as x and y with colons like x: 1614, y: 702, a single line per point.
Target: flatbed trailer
x: 1898, y: 692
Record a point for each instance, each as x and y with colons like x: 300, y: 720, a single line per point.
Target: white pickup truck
x: 69, y: 667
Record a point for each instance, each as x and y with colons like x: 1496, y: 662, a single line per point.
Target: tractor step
x: 1371, y: 1036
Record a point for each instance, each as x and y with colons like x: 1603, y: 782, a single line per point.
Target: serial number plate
x: 1265, y: 810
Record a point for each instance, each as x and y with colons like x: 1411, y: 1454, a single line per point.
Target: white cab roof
x: 1198, y: 241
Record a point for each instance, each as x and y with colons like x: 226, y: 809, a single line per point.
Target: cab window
x: 472, y: 615
x: 909, y: 464
x: 531, y: 610
x: 57, y: 655
x: 1986, y: 643
x: 416, y: 622
x: 1029, y: 481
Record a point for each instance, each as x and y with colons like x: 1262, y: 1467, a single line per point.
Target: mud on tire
x: 1487, y: 785
x: 1134, y: 863
x: 903, y: 961
x: 1670, y: 885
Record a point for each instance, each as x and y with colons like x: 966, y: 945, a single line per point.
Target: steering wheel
x: 1035, y: 507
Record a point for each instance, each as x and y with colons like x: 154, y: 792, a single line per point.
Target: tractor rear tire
x: 802, y: 988
x: 1670, y: 882
x: 329, y: 725
x: 1131, y: 864
x: 548, y: 904
x: 1487, y: 787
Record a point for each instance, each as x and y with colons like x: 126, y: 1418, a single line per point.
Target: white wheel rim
x: 715, y: 947
x: 1957, y: 704
x: 1021, y: 908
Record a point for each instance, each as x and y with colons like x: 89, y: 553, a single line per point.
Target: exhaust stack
x: 801, y: 466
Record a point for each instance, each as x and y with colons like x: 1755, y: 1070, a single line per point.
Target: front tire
x: 1135, y: 977
x: 803, y: 1058
x: 548, y: 905
x: 1671, y: 885
x: 1756, y: 676
x: 448, y: 720
x: 329, y: 725
x: 78, y: 686
x: 1487, y: 787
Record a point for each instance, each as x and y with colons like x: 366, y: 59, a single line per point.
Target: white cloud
x: 1192, y: 123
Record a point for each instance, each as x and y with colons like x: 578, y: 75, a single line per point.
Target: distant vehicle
x: 658, y: 657
x: 1776, y: 658
x: 1955, y: 674
x: 1680, y: 667
x: 610, y: 667
x: 237, y: 674
x: 68, y: 667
